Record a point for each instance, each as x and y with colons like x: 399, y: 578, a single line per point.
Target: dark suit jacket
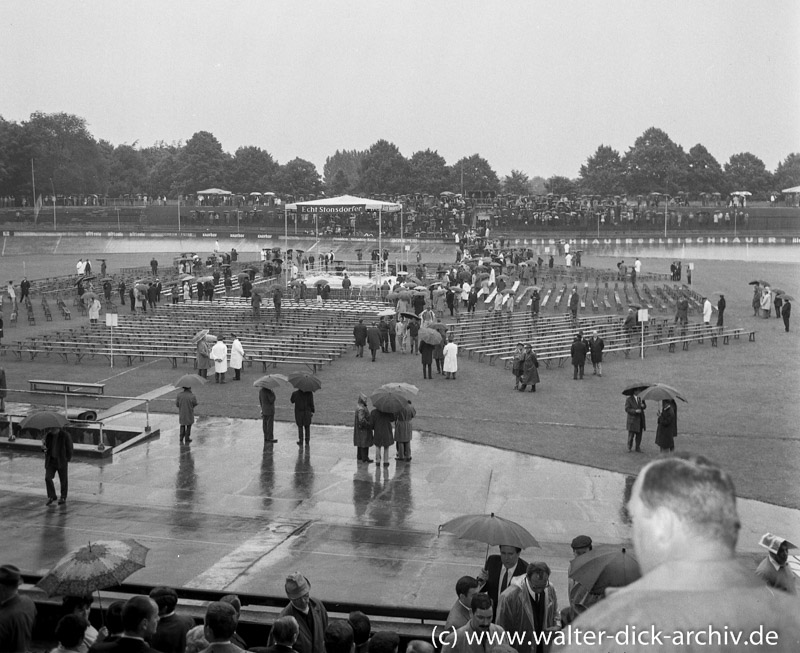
x: 59, y: 448
x: 495, y: 568
x: 170, y: 635
x: 128, y: 645
x: 303, y: 402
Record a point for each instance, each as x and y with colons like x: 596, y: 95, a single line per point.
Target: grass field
x: 742, y: 412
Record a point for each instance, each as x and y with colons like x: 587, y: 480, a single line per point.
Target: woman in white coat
x: 219, y: 354
x: 237, y: 357
x: 450, y: 358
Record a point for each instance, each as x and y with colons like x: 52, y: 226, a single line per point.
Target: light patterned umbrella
x: 101, y: 564
x: 490, y: 529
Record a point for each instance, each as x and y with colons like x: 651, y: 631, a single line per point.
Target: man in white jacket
x: 219, y: 354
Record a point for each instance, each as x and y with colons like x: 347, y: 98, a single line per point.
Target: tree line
x: 69, y: 160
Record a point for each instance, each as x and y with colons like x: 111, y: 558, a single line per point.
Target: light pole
x: 54, y: 202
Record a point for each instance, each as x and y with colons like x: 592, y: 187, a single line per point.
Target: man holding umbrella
x: 186, y: 403
x: 57, y: 447
x: 303, y: 401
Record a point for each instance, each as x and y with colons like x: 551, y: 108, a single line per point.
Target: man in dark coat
x: 373, y: 339
x: 303, y: 401
x: 186, y: 403
x: 596, y: 346
x: 578, y: 353
x: 152, y: 293
x: 170, y: 635
x: 530, y: 372
x: 720, y: 310
x: 24, y: 289
x: 310, y: 614
x: 121, y: 290
x: 667, y: 429
x: 266, y: 399
x: 574, y: 303
x: 786, y: 313
x: 426, y: 353
x: 360, y: 337
x: 17, y: 612
x: 57, y: 447
x: 383, y: 330
x: 636, y: 422
x: 132, y: 297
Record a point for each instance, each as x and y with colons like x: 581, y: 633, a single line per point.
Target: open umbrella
x: 189, y: 381
x: 89, y: 296
x: 786, y: 298
x: 660, y: 392
x: 186, y: 277
x: 504, y: 277
x: 413, y: 280
x: 270, y: 381
x: 197, y: 337
x: 89, y: 277
x: 605, y: 566
x: 321, y: 282
x: 101, y: 564
x: 389, y: 401
x: 635, y: 386
x: 386, y: 312
x: 491, y: 530
x: 429, y: 336
x: 758, y: 283
x: 410, y: 316
x: 406, y: 388
x: 206, y: 278
x: 305, y: 381
x: 441, y: 328
x: 402, y: 273
x: 44, y: 419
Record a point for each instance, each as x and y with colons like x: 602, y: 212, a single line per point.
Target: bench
x: 67, y: 386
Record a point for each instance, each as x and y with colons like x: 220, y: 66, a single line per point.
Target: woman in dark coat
x: 382, y: 434
x: 362, y: 430
x: 667, y: 429
x: 530, y: 371
x: 426, y: 353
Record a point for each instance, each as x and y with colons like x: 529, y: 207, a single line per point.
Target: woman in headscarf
x: 362, y: 430
x: 530, y: 373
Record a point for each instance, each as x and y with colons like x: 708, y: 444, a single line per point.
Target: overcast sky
x: 529, y: 85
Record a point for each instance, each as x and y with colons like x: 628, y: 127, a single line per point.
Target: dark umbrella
x: 305, y: 381
x: 660, y: 392
x: 389, y: 401
x: 491, y: 530
x: 270, y: 381
x: 45, y: 419
x: 189, y: 381
x: 634, y: 386
x: 430, y: 336
x: 410, y: 316
x: 89, y: 277
x: 603, y: 567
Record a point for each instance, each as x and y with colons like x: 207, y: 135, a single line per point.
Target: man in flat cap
x: 310, y: 614
x: 17, y: 613
x: 578, y: 594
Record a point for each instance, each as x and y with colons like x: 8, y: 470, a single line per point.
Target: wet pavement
x: 227, y: 514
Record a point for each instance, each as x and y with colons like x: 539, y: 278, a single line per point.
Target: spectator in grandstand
x: 386, y: 641
x: 574, y: 304
x: 707, y: 310
x: 721, y: 310
x: 220, y: 627
x: 360, y: 338
x: 70, y: 632
x: 630, y: 323
x: 362, y: 628
x: 464, y: 639
x: 94, y: 311
x: 284, y: 633
x: 530, y: 606
x: 80, y: 607
x: 154, y: 269
x: 777, y: 302
x: 139, y: 620
x: 774, y: 568
x: 339, y: 637
x: 681, y: 310
x: 170, y: 635
x: 113, y: 622
x: 500, y: 570
x: 17, y: 613
x: 596, y: 346
x: 309, y: 614
x: 346, y: 285
x: 459, y: 615
x: 687, y: 553
x: 277, y: 298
